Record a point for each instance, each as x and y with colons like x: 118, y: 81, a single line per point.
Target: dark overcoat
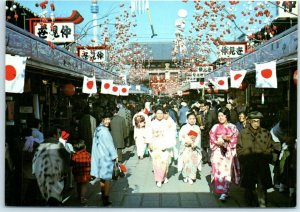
x: 254, y: 151
x: 118, y: 131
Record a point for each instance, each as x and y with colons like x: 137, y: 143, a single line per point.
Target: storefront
x: 272, y: 102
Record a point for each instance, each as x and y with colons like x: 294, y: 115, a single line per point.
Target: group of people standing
x: 238, y: 152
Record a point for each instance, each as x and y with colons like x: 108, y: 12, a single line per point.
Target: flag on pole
x: 106, y: 86
x: 266, y: 75
x: 89, y: 85
x: 115, y: 90
x: 124, y: 90
x: 236, y: 78
x: 14, y: 73
x: 221, y: 83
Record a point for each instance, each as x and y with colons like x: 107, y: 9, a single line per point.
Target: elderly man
x: 254, y: 150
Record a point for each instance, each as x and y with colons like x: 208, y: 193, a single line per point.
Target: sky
x: 163, y: 14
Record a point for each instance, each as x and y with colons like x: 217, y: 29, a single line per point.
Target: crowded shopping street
x: 127, y: 104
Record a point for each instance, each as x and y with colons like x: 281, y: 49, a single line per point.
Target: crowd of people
x: 187, y: 134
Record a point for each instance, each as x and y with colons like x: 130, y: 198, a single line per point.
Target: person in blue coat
x: 104, y: 156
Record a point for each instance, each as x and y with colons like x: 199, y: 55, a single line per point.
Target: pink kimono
x: 225, y: 166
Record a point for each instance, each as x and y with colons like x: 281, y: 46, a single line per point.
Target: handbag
x: 118, y: 170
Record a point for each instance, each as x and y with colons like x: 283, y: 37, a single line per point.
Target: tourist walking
x: 225, y: 167
x: 254, y: 150
x: 158, y: 147
x: 81, y: 168
x: 104, y: 156
x: 189, y: 160
x: 141, y: 134
x: 171, y: 136
x: 119, y: 133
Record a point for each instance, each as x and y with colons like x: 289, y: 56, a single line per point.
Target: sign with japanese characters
x: 92, y: 55
x: 231, y: 49
x: 60, y: 32
x: 200, y: 72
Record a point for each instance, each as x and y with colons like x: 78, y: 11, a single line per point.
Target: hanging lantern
x: 295, y: 77
x: 69, y: 89
x: 243, y: 86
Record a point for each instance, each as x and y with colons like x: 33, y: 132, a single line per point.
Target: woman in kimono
x: 158, y: 147
x: 225, y: 167
x: 141, y: 134
x: 171, y: 136
x: 189, y: 160
x: 104, y: 156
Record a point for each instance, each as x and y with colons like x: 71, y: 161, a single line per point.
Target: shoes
x: 158, y: 184
x: 223, y: 197
x: 190, y: 181
x: 185, y: 180
x: 106, y: 201
x: 166, y: 180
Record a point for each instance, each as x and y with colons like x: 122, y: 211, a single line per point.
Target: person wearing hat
x: 254, y: 150
x: 104, y: 155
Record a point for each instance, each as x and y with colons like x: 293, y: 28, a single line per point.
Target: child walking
x: 81, y: 168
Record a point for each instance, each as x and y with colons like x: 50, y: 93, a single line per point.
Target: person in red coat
x: 81, y: 168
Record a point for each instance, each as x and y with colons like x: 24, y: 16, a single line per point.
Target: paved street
x: 138, y: 190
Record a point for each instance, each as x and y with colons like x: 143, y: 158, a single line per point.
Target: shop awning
x: 41, y: 56
x: 282, y: 48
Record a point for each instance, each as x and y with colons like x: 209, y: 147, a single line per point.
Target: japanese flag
x: 236, y: 78
x: 197, y: 85
x: 89, y: 85
x: 115, y: 90
x: 124, y: 90
x: 106, y: 86
x: 266, y: 75
x: 221, y: 83
x: 202, y: 83
x: 14, y: 73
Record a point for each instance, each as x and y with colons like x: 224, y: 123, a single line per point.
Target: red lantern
x: 295, y: 77
x: 216, y: 90
x: 69, y: 89
x: 243, y: 86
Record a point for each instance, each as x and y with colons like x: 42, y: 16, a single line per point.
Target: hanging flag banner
x: 106, y: 86
x: 221, y: 83
x: 236, y: 78
x: 266, y: 75
x: 14, y: 73
x: 89, y: 85
x: 115, y: 90
x: 124, y: 90
x: 198, y: 85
